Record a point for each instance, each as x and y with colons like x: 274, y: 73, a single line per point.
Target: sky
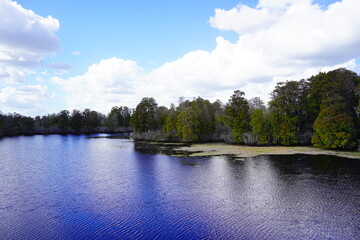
x: 58, y: 55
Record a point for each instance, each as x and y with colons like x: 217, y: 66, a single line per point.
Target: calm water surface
x: 76, y: 187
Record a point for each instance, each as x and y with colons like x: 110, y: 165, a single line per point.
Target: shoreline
x: 47, y: 132
x: 240, y: 152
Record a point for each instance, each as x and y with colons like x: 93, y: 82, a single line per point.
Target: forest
x: 322, y: 111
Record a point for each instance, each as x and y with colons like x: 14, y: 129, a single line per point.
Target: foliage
x: 118, y: 117
x: 237, y: 115
x: 112, y: 121
x: 289, y: 113
x: 259, y: 126
x: 76, y: 120
x: 287, y: 131
x: 90, y: 119
x: 334, y: 127
x: 15, y: 124
x: 195, y: 120
x: 143, y: 118
x: 188, y: 126
x: 169, y: 128
x: 63, y: 119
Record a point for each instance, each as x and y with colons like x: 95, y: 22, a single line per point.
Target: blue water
x: 76, y: 187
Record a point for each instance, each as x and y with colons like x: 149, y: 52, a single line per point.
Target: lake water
x: 76, y: 187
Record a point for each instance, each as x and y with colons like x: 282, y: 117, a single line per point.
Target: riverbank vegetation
x: 322, y: 110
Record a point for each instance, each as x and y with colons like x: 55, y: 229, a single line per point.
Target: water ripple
x: 66, y: 187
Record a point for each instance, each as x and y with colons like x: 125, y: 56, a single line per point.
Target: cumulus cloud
x: 243, y: 19
x: 302, y: 32
x: 105, y: 84
x: 25, y: 38
x: 28, y: 98
x: 278, y: 40
x: 22, y: 30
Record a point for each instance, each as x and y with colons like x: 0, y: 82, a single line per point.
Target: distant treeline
x: 87, y: 121
x: 321, y: 111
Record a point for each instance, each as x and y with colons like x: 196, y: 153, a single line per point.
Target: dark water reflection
x: 75, y: 187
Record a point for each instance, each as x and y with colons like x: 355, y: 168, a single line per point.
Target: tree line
x: 322, y: 110
x: 64, y: 122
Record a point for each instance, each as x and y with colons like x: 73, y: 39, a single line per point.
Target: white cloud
x: 243, y: 19
x: 302, y: 32
x: 25, y: 39
x: 29, y: 99
x: 278, y: 40
x: 23, y: 31
x: 105, y: 84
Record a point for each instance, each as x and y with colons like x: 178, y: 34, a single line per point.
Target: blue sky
x: 99, y: 54
x: 150, y: 32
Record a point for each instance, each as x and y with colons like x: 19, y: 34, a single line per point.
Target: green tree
x: 195, y: 120
x: 124, y: 116
x: 160, y: 116
x: 288, y: 134
x: 289, y: 115
x: 170, y: 121
x: 63, y: 119
x: 188, y: 125
x: 334, y: 127
x: 237, y: 115
x: 205, y: 115
x: 340, y: 83
x: 119, y: 117
x: 76, y: 120
x: 90, y: 119
x: 259, y: 126
x: 112, y: 120
x: 52, y: 120
x: 143, y: 118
